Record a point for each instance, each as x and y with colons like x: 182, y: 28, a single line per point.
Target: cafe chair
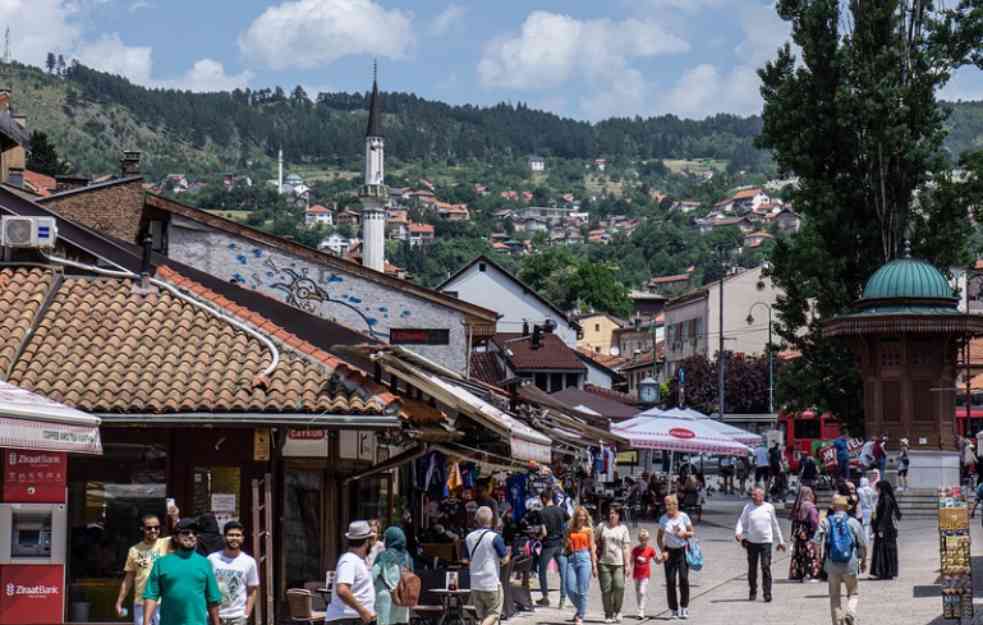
x: 301, y: 605
x: 318, y: 600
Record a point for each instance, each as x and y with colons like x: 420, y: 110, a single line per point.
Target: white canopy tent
x: 739, y: 435
x: 30, y: 421
x: 684, y: 435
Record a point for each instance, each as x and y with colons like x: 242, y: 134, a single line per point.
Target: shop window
x: 215, y: 490
x: 107, y: 496
x: 372, y: 499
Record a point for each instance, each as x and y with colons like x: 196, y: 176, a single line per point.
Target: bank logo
x: 10, y: 590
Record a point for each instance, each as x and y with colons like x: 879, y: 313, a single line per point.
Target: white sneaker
x: 608, y: 620
x: 684, y: 613
x: 641, y: 614
x: 675, y: 615
x: 617, y: 617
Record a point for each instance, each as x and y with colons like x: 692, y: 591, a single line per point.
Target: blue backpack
x: 694, y: 555
x: 839, y: 544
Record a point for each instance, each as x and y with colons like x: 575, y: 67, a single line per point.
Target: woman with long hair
x: 884, y: 564
x: 386, y: 571
x: 805, y: 563
x: 581, y: 561
x: 675, y: 530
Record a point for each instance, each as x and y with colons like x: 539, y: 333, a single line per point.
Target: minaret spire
x: 375, y: 105
x: 375, y: 193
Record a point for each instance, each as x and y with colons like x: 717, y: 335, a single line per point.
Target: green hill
x: 92, y: 117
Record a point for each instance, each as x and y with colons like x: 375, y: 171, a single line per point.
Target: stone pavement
x: 719, y: 592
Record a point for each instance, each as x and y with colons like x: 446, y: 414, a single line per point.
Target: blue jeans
x: 554, y: 552
x: 578, y: 580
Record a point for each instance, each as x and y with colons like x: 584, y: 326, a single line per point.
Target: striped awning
x: 31, y: 422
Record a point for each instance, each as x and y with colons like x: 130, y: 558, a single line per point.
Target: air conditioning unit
x: 28, y: 232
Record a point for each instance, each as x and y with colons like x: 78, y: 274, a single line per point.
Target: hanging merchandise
x: 954, y: 549
x: 454, y: 480
x: 516, y: 488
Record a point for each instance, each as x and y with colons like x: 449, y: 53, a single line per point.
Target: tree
x: 745, y: 384
x: 43, y: 158
x: 571, y: 282
x: 50, y: 62
x: 856, y: 120
x: 61, y: 64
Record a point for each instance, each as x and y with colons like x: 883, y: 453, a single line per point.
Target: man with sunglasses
x: 183, y: 583
x: 139, y: 561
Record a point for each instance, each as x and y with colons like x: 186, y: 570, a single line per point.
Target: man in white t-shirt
x: 353, y: 597
x: 486, y: 555
x: 757, y: 530
x: 237, y: 577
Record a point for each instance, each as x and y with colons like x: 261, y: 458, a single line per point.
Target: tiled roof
x: 22, y: 292
x: 105, y: 345
x: 484, y: 367
x: 553, y: 353
x: 40, y: 183
x: 747, y: 194
x: 317, y: 209
x: 421, y: 228
x: 605, y: 406
x: 682, y: 277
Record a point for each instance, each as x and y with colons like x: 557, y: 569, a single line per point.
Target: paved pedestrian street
x: 719, y: 593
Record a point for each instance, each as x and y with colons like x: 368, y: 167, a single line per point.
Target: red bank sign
x: 31, y: 594
x: 34, y: 476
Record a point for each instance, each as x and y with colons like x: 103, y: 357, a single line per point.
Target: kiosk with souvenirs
x: 954, y: 550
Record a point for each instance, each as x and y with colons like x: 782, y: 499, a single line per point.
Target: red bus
x: 800, y: 429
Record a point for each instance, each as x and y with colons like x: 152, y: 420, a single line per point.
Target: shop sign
x: 307, y: 444
x: 682, y: 433
x: 827, y: 453
x: 419, y: 336
x: 32, y: 594
x: 354, y: 445
x: 34, y: 476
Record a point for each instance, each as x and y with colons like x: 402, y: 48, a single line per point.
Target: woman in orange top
x: 581, y: 561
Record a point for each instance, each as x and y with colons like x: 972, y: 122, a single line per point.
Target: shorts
x: 488, y: 602
x: 138, y: 615
x: 761, y: 474
x: 727, y: 471
x: 902, y: 472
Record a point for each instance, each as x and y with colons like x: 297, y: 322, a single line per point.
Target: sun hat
x: 359, y: 530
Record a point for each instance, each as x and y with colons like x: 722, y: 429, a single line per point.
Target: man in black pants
x: 554, y: 520
x: 757, y: 529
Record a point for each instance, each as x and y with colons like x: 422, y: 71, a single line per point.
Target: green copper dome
x: 908, y: 278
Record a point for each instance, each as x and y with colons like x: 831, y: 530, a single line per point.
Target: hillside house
x: 671, y: 283
x: 757, y: 239
x: 787, y: 220
x: 452, y: 212
x: 420, y: 234
x: 485, y: 283
x: 600, y: 164
x: 531, y: 225
x: 685, y: 206
x: 537, y: 164
x: 336, y: 244
x: 318, y: 215
x: 397, y: 225
x: 598, y: 332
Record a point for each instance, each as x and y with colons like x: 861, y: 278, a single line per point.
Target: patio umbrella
x: 692, y: 436
x: 739, y: 435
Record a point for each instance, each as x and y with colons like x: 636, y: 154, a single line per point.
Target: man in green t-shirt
x: 183, y: 582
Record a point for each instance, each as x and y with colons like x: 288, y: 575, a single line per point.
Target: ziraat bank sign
x: 34, y: 477
x: 32, y: 594
x: 39, y: 591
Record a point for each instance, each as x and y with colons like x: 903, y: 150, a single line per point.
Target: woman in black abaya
x: 884, y: 564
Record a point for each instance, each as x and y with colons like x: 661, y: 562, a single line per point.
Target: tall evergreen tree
x: 42, y: 157
x: 856, y: 119
x: 50, y: 62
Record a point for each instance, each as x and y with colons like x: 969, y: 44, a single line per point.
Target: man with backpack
x: 844, y: 557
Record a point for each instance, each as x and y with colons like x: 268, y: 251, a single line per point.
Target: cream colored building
x: 692, y: 320
x: 598, y: 332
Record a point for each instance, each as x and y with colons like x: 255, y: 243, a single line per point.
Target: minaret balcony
x: 380, y: 191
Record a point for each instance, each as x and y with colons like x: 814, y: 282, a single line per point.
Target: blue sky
x: 588, y: 60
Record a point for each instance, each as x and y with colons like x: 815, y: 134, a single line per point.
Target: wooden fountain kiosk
x: 905, y: 332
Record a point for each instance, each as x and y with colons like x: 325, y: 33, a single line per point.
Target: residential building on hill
x: 598, y: 332
x: 537, y: 164
x: 485, y: 283
x: 318, y: 215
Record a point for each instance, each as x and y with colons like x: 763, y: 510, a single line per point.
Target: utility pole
x: 771, y: 355
x: 721, y: 361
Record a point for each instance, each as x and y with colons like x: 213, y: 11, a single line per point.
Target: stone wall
x: 114, y: 209
x: 348, y: 299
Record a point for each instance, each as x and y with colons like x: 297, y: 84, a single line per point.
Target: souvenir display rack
x: 954, y: 550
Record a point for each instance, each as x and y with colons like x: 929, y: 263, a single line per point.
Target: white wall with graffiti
x: 346, y: 298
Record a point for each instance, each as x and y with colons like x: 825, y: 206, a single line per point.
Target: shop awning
x: 525, y: 442
x: 256, y: 419
x: 739, y: 435
x: 30, y: 421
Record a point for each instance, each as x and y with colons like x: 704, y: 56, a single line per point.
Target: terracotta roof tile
x: 484, y: 367
x: 553, y: 354
x: 102, y: 345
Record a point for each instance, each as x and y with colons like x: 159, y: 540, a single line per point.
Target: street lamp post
x: 771, y: 366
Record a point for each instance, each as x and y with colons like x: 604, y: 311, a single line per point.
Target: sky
x: 580, y: 59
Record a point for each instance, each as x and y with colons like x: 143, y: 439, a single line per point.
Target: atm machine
x: 32, y: 562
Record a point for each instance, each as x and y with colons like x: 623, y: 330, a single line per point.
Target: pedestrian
x: 641, y: 568
x: 757, y: 530
x: 842, y: 448
x: 614, y: 545
x: 727, y: 470
x: 139, y: 562
x: 903, y: 463
x: 808, y: 472
x: 675, y: 530
x: 353, y: 595
x: 485, y: 498
x: 743, y: 472
x: 880, y: 454
x: 486, y: 555
x: 761, y: 465
x: 237, y: 576
x: 376, y: 545
x: 386, y: 572
x: 867, y: 498
x: 868, y: 458
x: 775, y: 462
x: 854, y: 499
x: 581, y: 562
x: 884, y: 561
x: 844, y: 558
x: 805, y: 562
x: 554, y: 520
x: 183, y: 583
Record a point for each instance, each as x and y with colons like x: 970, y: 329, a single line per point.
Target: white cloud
x: 447, y: 18
x: 38, y: 27
x: 141, y: 4
x: 312, y: 33
x: 110, y: 54
x: 208, y: 75
x: 689, y: 6
x: 966, y: 84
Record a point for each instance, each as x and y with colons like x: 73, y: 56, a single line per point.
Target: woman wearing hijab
x: 386, y: 571
x: 868, y: 500
x: 885, y: 561
x: 805, y: 562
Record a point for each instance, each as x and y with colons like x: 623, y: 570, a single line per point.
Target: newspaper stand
x: 954, y: 549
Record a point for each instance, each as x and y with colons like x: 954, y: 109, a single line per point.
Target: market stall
x: 689, y: 414
x: 954, y: 551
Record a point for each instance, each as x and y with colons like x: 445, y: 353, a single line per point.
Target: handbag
x: 694, y: 554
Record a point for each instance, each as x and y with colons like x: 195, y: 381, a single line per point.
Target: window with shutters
x: 891, y: 353
x: 891, y: 396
